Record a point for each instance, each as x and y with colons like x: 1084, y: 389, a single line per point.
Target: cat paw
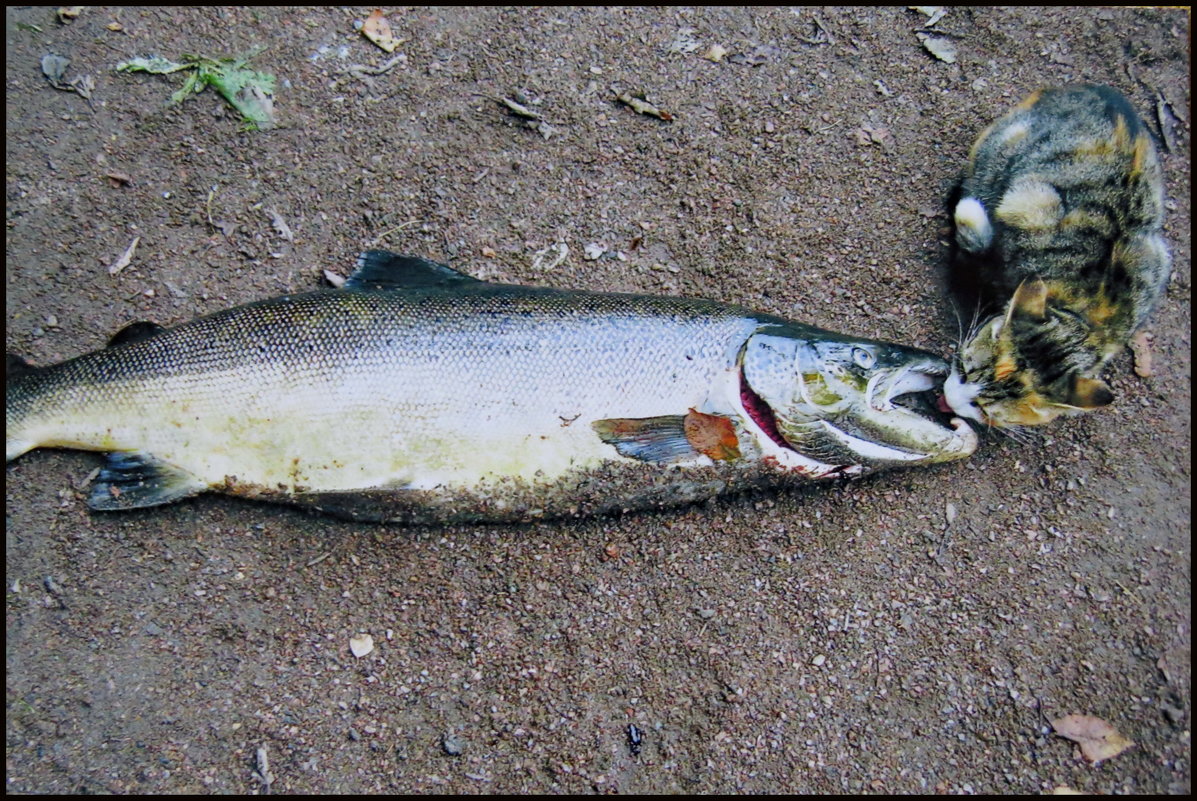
x: 974, y: 232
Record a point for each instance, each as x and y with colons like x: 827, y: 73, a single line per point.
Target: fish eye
x: 863, y: 358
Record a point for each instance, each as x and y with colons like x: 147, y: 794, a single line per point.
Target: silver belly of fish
x: 417, y: 394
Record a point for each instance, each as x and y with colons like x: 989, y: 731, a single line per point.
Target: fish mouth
x: 904, y: 419
x: 918, y: 388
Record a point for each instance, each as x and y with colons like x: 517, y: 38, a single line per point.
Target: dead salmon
x: 418, y: 394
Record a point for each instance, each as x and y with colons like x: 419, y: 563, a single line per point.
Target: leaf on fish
x: 712, y: 435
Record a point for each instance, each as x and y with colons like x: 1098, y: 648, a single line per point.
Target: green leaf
x: 249, y: 91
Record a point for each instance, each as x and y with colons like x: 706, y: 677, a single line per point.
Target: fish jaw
x: 850, y: 403
x: 900, y: 423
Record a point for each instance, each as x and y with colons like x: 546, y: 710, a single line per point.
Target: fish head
x: 846, y: 401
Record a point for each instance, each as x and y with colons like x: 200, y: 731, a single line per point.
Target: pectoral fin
x: 649, y: 439
x: 671, y: 438
x: 137, y: 480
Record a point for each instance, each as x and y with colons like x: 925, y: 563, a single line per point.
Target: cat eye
x: 863, y: 358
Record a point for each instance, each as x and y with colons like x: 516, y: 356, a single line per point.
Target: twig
x: 358, y: 71
x: 385, y: 234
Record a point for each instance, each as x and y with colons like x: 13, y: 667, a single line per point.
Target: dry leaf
x: 684, y: 42
x: 868, y: 133
x: 54, y: 68
x: 1140, y: 346
x: 934, y: 13
x: 378, y: 30
x: 941, y: 48
x: 115, y: 27
x: 550, y: 257
x: 280, y: 224
x: 716, y: 53
x: 126, y: 258
x: 68, y: 13
x: 1098, y: 740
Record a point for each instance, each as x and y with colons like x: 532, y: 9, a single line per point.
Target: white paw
x: 974, y: 232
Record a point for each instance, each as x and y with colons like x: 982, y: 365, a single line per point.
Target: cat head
x: 1028, y: 366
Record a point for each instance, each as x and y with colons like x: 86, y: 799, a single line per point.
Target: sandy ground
x: 911, y: 632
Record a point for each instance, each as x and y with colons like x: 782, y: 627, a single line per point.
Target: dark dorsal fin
x: 15, y: 367
x: 383, y: 270
x: 135, y: 332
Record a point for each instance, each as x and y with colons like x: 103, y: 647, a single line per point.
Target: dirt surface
x: 911, y: 632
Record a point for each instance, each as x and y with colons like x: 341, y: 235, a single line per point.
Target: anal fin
x: 137, y: 480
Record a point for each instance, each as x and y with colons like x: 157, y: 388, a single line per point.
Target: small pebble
x: 361, y: 645
x: 452, y: 744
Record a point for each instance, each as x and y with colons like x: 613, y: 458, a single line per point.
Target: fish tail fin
x: 16, y: 370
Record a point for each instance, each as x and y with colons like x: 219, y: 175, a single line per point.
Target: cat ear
x: 1089, y: 393
x: 1030, y: 300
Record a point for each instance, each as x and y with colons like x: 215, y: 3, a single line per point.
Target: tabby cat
x: 1059, y: 220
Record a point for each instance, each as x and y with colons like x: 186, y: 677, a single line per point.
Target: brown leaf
x: 1098, y: 740
x: 378, y: 30
x: 712, y: 435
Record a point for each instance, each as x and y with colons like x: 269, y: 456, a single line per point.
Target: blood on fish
x: 760, y: 413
